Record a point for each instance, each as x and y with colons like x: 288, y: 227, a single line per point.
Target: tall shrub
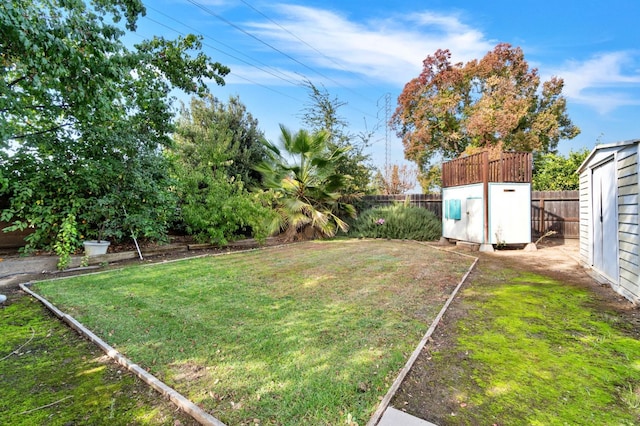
x: 398, y: 221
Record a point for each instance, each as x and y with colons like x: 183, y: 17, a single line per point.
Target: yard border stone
x: 166, y: 391
x: 188, y: 406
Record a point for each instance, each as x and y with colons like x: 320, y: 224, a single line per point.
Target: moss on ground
x: 525, y: 349
x: 50, y: 376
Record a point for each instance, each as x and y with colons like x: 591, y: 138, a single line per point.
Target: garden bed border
x: 384, y: 404
x: 192, y: 409
x: 174, y: 396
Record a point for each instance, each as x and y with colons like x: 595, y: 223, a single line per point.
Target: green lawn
x: 543, y: 355
x: 312, y: 333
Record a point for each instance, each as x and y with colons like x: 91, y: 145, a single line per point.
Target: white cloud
x: 389, y: 50
x: 605, y: 82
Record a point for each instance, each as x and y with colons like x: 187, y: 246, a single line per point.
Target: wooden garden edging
x: 384, y: 404
x: 182, y: 402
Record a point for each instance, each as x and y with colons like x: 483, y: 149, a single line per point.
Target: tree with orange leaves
x: 495, y: 102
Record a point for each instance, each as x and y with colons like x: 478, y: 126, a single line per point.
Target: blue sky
x: 364, y: 52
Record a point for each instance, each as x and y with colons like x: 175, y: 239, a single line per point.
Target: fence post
x: 541, y: 209
x: 485, y: 184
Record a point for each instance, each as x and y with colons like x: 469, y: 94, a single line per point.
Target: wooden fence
x: 550, y: 210
x: 555, y: 211
x: 431, y: 202
x: 477, y: 168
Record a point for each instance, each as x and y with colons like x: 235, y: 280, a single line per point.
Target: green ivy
x: 66, y: 241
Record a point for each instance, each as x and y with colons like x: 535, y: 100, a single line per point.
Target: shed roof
x: 606, y: 146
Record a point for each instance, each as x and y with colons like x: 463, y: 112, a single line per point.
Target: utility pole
x: 386, y: 108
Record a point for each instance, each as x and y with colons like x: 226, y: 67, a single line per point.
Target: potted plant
x: 102, y: 213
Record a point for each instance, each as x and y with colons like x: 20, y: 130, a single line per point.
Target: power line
x: 269, y: 88
x: 231, y: 24
x: 306, y: 44
x: 235, y: 74
x: 226, y: 21
x: 282, y: 76
x: 223, y: 44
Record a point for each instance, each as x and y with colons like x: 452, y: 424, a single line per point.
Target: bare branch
x: 33, y: 333
x: 48, y: 405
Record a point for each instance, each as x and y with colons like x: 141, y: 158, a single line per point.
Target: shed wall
x: 628, y: 226
x: 509, y: 213
x: 625, y: 198
x: 586, y: 203
x: 585, y: 218
x: 469, y: 225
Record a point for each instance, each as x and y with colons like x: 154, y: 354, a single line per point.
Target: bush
x: 217, y: 209
x: 397, y: 222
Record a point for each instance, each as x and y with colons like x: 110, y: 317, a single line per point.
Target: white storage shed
x: 487, y: 202
x: 609, y: 227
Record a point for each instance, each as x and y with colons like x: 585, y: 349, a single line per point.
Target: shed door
x: 475, y: 220
x: 605, y: 221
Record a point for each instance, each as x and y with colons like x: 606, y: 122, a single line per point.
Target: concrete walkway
x: 27, y: 265
x: 393, y: 417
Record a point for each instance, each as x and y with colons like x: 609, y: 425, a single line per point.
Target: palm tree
x: 307, y: 192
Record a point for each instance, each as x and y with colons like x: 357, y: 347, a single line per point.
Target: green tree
x: 217, y: 147
x: 493, y: 102
x: 321, y: 114
x: 555, y: 172
x: 222, y: 137
x: 219, y: 209
x: 84, y: 118
x: 308, y: 194
x: 431, y: 180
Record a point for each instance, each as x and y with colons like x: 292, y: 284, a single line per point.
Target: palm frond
x: 310, y: 201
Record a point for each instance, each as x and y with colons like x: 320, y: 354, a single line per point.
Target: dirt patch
x: 423, y: 394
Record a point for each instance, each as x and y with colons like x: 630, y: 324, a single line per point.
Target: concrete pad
x: 445, y: 242
x: 465, y: 245
x: 27, y: 265
x: 393, y: 417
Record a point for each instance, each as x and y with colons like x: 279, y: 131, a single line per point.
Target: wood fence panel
x: 13, y: 239
x: 557, y: 211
